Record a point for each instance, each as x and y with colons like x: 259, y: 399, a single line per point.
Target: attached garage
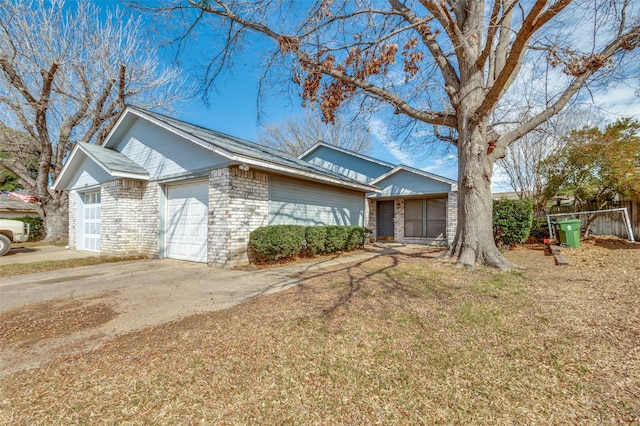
x: 186, y: 221
x: 89, y: 218
x: 164, y: 188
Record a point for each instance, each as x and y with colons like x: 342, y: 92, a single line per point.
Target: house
x: 11, y: 208
x: 411, y: 205
x: 161, y: 187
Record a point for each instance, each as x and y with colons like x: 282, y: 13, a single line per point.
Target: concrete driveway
x: 136, y: 295
x: 41, y: 253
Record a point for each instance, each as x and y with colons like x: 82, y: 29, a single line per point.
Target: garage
x: 186, y: 224
x: 89, y: 218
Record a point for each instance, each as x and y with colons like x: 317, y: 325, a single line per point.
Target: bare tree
x: 297, y: 133
x: 522, y: 163
x: 444, y: 63
x: 66, y: 72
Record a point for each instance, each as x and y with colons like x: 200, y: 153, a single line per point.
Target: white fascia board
x: 417, y: 172
x: 129, y: 175
x: 114, y: 173
x: 311, y: 149
x: 207, y: 145
x: 303, y: 173
x: 123, y: 116
x: 66, y: 167
x: 346, y: 152
x: 248, y: 160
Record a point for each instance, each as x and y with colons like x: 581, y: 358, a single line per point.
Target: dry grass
x: 402, y: 339
x: 53, y: 265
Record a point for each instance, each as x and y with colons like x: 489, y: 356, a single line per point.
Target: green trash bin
x: 570, y: 232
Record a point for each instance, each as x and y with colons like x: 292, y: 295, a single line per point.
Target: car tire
x: 5, y: 244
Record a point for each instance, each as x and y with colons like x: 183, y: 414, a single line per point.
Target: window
x: 426, y: 218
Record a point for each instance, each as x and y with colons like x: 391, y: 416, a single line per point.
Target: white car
x: 12, y: 231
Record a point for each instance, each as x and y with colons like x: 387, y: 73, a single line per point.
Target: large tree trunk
x: 55, y: 215
x: 474, y: 241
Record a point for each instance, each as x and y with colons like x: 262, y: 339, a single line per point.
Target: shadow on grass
x: 390, y: 278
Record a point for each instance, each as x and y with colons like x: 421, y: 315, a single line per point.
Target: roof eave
x: 396, y: 169
x: 345, y: 151
x: 304, y: 173
x: 63, y: 172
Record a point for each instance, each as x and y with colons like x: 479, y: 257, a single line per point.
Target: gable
x: 163, y: 153
x: 351, y: 166
x: 89, y: 174
x: 407, y: 183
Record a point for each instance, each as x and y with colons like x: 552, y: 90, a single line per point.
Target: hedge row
x: 283, y: 241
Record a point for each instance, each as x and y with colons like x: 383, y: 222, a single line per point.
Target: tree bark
x: 474, y: 242
x: 55, y: 217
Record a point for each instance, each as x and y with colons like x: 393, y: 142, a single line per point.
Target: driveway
x: 46, y: 315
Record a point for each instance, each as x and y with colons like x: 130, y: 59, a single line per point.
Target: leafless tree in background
x: 445, y: 64
x: 66, y: 73
x: 525, y: 156
x: 296, y: 134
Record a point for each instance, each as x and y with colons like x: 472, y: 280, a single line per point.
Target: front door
x: 384, y: 220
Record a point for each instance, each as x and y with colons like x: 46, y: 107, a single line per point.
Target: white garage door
x: 88, y: 231
x: 187, y: 207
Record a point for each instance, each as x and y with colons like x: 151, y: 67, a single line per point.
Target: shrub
x: 539, y: 229
x: 357, y: 236
x: 315, y: 237
x: 36, y: 227
x: 337, y: 238
x: 277, y: 241
x: 282, y: 241
x: 511, y: 221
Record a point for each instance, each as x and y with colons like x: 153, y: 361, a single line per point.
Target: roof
x: 453, y: 183
x: 116, y: 164
x: 235, y: 149
x: 10, y: 204
x: 322, y: 144
x: 113, y: 161
x: 394, y: 168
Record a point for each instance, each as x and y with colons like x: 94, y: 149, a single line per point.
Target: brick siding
x: 238, y: 204
x: 130, y: 218
x: 398, y: 221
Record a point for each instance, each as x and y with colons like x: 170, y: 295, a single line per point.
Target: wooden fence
x: 610, y: 223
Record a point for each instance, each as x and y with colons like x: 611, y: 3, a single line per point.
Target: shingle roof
x: 10, y: 204
x: 113, y: 160
x: 242, y: 148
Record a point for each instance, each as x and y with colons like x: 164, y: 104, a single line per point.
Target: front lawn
x: 400, y: 339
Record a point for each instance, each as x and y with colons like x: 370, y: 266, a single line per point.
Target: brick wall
x: 452, y: 216
x: 398, y: 220
x: 130, y: 218
x: 370, y: 215
x: 238, y: 204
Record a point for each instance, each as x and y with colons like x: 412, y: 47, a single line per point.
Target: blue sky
x: 232, y: 109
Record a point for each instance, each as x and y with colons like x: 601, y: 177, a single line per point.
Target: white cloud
x: 379, y: 130
x: 446, y: 166
x: 618, y: 100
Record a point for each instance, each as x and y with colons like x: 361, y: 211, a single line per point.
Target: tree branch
x: 428, y: 38
x: 532, y: 22
x: 628, y: 41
